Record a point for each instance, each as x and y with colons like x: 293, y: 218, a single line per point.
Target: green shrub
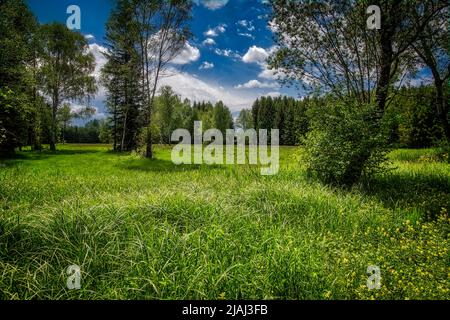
x: 345, y: 144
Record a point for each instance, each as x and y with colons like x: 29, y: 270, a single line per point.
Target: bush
x: 346, y: 143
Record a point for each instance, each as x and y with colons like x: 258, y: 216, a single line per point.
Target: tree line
x: 411, y: 118
x: 41, y: 67
x: 170, y: 112
x: 286, y: 114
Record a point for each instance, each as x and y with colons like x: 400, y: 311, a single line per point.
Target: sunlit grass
x: 147, y: 229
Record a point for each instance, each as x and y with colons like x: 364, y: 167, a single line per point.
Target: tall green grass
x: 148, y: 229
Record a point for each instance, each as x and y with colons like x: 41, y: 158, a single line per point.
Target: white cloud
x: 255, y: 55
x: 187, y: 55
x: 228, y: 53
x: 89, y: 37
x: 188, y: 85
x: 270, y: 74
x: 191, y: 87
x: 209, y: 42
x: 273, y: 94
x: 248, y: 35
x: 100, y: 60
x: 255, y: 84
x: 214, y: 32
x: 206, y: 65
x: 221, y: 28
x: 212, y: 4
x: 259, y: 56
x: 242, y: 23
x: 246, y: 24
x: 267, y: 74
x: 211, y: 33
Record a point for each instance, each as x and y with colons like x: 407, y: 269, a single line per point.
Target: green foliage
x: 89, y: 133
x: 66, y: 68
x: 156, y: 32
x: 245, y: 120
x: 121, y: 76
x: 17, y: 27
x: 283, y: 113
x: 105, y: 133
x: 345, y: 144
x: 326, y: 48
x: 223, y: 119
x: 171, y: 113
x: 14, y: 109
x: 168, y: 115
x: 414, y: 122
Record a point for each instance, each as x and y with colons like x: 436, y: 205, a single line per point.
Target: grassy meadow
x: 148, y: 229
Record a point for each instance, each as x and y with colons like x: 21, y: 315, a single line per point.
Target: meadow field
x: 148, y: 229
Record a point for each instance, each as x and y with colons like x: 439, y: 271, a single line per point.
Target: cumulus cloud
x: 256, y: 55
x: 214, y: 32
x: 188, y: 85
x: 194, y: 89
x: 210, y: 33
x: 100, y: 60
x: 191, y: 87
x: 212, y: 4
x: 209, y: 42
x: 206, y: 65
x: 256, y: 84
x: 270, y: 74
x: 242, y: 23
x: 259, y: 56
x: 187, y: 55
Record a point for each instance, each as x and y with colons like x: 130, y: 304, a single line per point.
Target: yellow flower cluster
x: 413, y: 260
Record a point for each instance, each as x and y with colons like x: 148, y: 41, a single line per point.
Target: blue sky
x: 225, y: 59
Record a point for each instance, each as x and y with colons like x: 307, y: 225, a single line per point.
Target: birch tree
x: 66, y: 69
x: 162, y: 33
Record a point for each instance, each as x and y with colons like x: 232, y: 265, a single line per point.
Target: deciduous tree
x: 66, y: 69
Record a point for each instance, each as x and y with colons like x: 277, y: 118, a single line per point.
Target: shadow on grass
x: 428, y: 193
x: 160, y: 165
x: 44, y: 154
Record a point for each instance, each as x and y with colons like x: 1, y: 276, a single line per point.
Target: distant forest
x: 412, y: 122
